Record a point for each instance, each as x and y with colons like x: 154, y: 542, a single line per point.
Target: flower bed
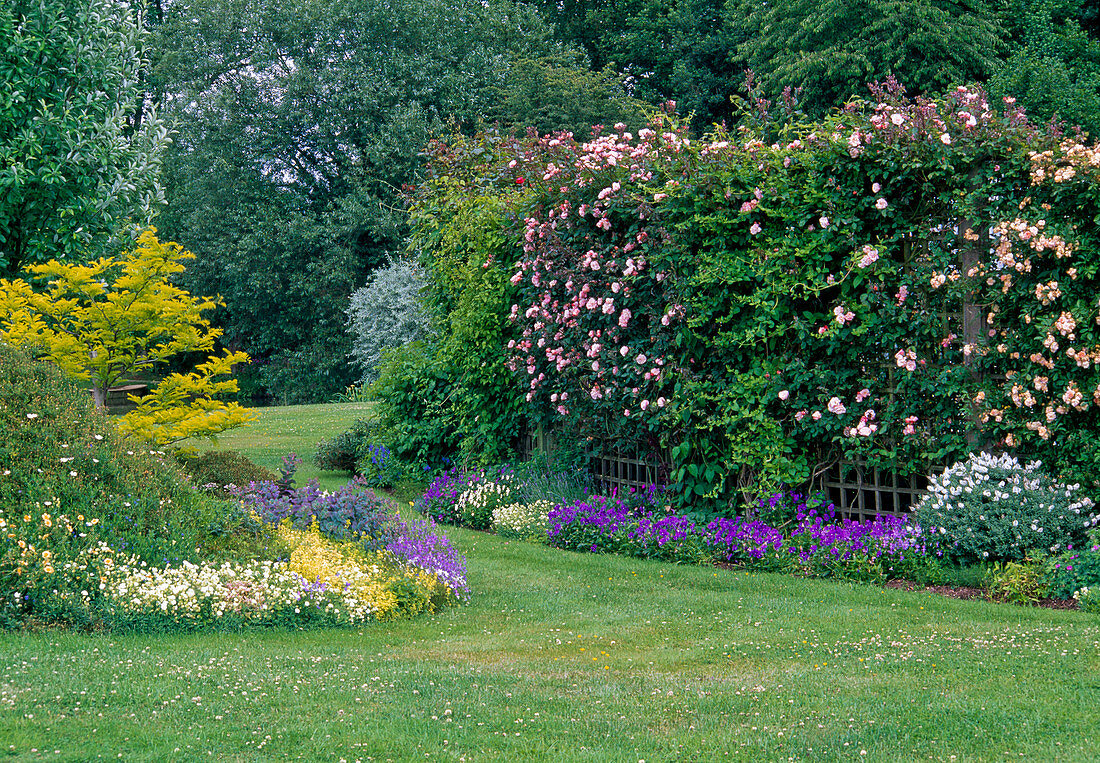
x: 341, y: 559
x: 790, y: 532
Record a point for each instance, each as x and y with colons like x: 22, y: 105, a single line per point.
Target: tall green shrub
x: 452, y: 396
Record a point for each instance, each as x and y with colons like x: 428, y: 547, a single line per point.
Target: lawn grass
x: 291, y: 429
x: 562, y: 656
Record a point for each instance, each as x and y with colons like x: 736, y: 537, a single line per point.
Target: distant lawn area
x: 561, y: 656
x: 291, y: 429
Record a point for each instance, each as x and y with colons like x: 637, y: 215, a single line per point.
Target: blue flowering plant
x: 377, y: 466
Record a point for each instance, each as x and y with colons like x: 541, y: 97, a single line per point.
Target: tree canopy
x: 300, y: 125
x: 300, y: 121
x: 119, y: 315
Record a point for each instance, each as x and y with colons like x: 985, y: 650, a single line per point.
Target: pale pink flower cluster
x: 1082, y: 358
x: 1046, y: 293
x: 1039, y: 428
x: 870, y: 256
x: 1021, y: 397
x: 906, y: 359
x: 582, y: 310
x: 866, y: 426
x: 910, y: 425
x: 836, y: 407
x: 1066, y: 325
x: 842, y: 314
x: 1073, y: 397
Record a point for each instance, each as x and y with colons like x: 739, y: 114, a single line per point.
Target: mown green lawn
x: 291, y: 429
x: 562, y: 656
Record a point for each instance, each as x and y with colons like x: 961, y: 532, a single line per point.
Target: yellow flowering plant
x: 376, y: 580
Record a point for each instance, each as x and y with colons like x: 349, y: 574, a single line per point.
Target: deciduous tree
x: 118, y: 315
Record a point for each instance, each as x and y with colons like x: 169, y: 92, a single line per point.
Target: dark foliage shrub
x: 215, y: 471
x: 341, y: 452
x: 351, y: 512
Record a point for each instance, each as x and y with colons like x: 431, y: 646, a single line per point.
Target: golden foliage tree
x: 115, y: 316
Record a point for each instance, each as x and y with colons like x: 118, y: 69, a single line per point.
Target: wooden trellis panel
x: 623, y: 473
x: 860, y: 493
x: 612, y: 471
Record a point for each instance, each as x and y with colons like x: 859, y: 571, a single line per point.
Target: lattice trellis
x: 860, y: 492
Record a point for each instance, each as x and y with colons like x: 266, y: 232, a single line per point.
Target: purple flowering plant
x: 813, y: 542
x: 354, y: 512
x: 440, y: 499
x: 420, y: 544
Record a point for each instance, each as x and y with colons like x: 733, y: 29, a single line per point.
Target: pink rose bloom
x: 881, y: 204
x: 784, y: 394
x: 624, y: 318
x: 755, y: 228
x: 837, y: 407
x: 815, y: 415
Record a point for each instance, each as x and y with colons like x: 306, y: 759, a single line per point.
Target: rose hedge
x: 900, y: 283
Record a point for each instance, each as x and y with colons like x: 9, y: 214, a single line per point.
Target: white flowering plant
x: 260, y: 591
x: 992, y: 508
x: 1088, y: 599
x: 476, y: 504
x: 524, y: 521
